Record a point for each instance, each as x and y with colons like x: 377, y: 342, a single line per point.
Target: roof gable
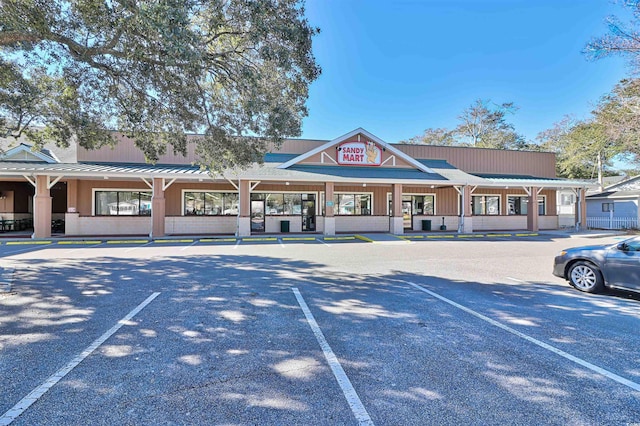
x: 24, y: 153
x: 392, y: 156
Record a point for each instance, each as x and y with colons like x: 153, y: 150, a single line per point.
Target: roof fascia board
x: 352, y: 133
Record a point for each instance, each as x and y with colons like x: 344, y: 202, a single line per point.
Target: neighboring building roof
x: 614, y: 194
x: 627, y: 187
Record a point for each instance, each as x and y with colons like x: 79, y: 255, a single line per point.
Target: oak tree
x: 236, y: 72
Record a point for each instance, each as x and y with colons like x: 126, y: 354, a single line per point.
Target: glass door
x: 257, y: 216
x: 309, y: 215
x: 407, y: 217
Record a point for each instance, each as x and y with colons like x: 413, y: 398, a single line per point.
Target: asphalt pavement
x: 447, y: 331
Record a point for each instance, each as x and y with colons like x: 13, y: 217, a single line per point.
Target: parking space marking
x: 190, y: 245
x: 349, y: 392
x: 516, y: 280
x: 281, y: 243
x: 237, y: 243
x: 134, y: 248
x: 319, y: 240
x: 35, y: 394
x: 96, y: 244
x: 633, y: 385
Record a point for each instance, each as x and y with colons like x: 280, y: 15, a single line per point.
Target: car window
x: 633, y: 244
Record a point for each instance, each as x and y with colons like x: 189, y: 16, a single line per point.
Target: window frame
x: 500, y: 204
x: 138, y: 190
x: 222, y: 192
x: 412, y: 194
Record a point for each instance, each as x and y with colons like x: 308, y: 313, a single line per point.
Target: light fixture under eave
x: 364, y: 185
x: 286, y: 183
x: 106, y: 177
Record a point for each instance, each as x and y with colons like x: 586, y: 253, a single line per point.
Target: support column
x: 158, y: 209
x: 396, y: 225
x: 42, y: 209
x: 329, y: 210
x: 466, y: 218
x: 244, y: 213
x: 532, y: 210
x: 71, y: 222
x: 581, y: 209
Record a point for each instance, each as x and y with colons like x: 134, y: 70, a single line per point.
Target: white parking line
x: 35, y: 394
x: 319, y: 240
x: 135, y: 248
x: 516, y: 280
x: 349, y: 392
x: 190, y: 245
x: 237, y: 244
x: 633, y: 385
x: 281, y: 243
x: 84, y: 248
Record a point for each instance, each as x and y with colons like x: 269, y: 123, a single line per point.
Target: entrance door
x: 309, y: 215
x: 406, y: 215
x: 257, y: 216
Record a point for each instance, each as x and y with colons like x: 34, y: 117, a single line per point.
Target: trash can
x: 284, y: 226
x: 426, y: 225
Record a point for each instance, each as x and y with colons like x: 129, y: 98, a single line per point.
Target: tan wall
x: 482, y: 160
x: 126, y: 151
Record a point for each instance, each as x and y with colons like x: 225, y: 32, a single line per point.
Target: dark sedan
x: 592, y: 268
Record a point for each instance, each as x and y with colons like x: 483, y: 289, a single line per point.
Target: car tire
x: 585, y: 276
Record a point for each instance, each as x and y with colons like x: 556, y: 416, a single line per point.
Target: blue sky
x: 397, y: 67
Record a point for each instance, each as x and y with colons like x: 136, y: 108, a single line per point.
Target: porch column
x: 244, y: 213
x: 71, y: 216
x: 532, y: 210
x: 42, y: 209
x: 581, y: 209
x: 329, y: 218
x: 396, y: 225
x: 466, y: 218
x: 158, y: 209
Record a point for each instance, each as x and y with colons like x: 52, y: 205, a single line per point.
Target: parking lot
x: 312, y: 332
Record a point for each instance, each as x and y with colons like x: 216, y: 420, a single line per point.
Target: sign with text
x: 359, y: 154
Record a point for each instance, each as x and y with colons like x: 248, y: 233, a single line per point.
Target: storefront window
x: 352, y: 204
x: 422, y: 204
x: 485, y: 205
x: 275, y: 204
x: 293, y: 203
x: 282, y: 204
x: 518, y: 205
x: 122, y: 203
x: 210, y: 203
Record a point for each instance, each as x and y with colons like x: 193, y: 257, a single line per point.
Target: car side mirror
x: 623, y: 247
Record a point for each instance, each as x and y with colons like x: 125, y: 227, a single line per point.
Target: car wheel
x: 585, y: 276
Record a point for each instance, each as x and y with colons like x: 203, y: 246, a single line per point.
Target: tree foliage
x: 483, y: 124
x: 440, y: 136
x: 623, y: 37
x: 583, y: 148
x: 619, y: 113
x: 157, y: 71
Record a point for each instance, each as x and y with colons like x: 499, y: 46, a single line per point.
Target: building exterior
x: 354, y: 183
x: 616, y: 207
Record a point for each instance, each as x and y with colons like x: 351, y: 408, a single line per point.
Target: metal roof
x: 442, y: 173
